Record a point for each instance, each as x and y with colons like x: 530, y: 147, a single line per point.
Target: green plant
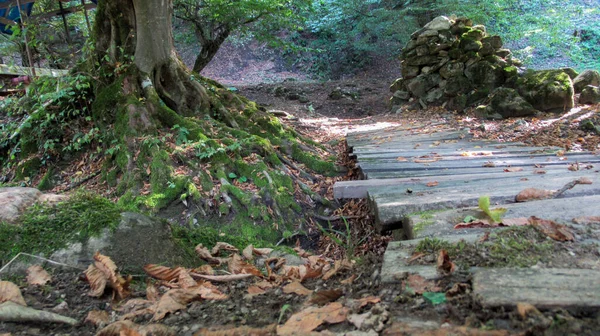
x: 494, y: 214
x: 343, y: 239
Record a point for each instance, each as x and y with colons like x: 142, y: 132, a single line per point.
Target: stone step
x: 550, y: 288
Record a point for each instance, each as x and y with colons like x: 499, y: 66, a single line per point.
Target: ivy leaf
x: 469, y: 219
x: 232, y: 175
x: 243, y: 179
x: 495, y: 214
x: 435, y: 298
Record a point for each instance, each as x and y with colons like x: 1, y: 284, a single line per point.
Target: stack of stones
x: 455, y: 64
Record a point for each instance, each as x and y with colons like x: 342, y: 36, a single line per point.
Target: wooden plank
x: 392, y: 204
x: 563, y: 211
x: 7, y: 22
x: 360, y: 188
x: 15, y: 70
x: 457, y: 151
x: 543, y: 288
x: 67, y: 10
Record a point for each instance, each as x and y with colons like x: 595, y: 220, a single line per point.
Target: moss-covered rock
x: 588, y: 77
x: 590, y: 95
x: 547, y: 90
x: 508, y: 103
x: 484, y: 74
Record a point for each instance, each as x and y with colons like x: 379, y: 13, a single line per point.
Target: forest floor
x: 353, y: 296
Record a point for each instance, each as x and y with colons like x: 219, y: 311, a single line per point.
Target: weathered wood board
x: 543, y: 288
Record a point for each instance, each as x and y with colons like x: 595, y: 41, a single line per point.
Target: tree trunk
x: 209, y: 50
x: 142, y: 29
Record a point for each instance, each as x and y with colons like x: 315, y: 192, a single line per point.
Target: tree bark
x: 142, y: 29
x: 209, y: 50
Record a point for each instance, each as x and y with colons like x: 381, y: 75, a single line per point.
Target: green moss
x: 160, y: 199
x: 46, y: 181
x: 107, y: 101
x: 313, y: 162
x: 44, y: 229
x: 28, y: 168
x: 161, y: 169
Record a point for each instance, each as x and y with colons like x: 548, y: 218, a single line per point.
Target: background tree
x: 214, y: 21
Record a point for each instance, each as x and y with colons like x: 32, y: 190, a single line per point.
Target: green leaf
x: 243, y: 179
x: 232, y: 175
x: 469, y: 219
x: 495, y: 214
x: 435, y: 298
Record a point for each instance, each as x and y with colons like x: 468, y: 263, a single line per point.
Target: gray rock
x: 419, y: 85
x: 399, y: 98
x: 504, y: 53
x: 470, y: 45
x: 425, y: 60
x: 486, y: 49
x: 452, y: 69
x: 457, y: 85
x: 485, y: 75
x: 495, y: 41
x: 590, y: 95
x: 15, y: 200
x: 429, y: 33
x: 137, y: 241
x: 409, y: 72
x: 434, y: 96
x: 547, y: 90
x: 508, y: 103
x: 398, y: 84
x: 571, y: 72
x: 439, y: 23
x: 588, y: 77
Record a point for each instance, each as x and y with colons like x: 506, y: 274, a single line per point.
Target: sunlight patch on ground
x: 345, y: 126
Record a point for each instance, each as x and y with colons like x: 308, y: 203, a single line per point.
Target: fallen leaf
x: 222, y: 246
x: 255, y: 290
x: 325, y: 296
x: 513, y: 169
x: 37, y: 276
x: 311, y: 318
x: 485, y: 237
x: 11, y: 292
x: 97, y: 318
x: 432, y: 184
x: 539, y: 172
x: 518, y: 221
x: 262, y: 251
x: 420, y: 285
x: 458, y: 289
x: 205, y: 255
x: 339, y: 265
x: 349, y: 280
x: 444, y: 265
x: 532, y: 194
x: 296, y: 288
x: 416, y: 257
x: 185, y: 280
x: 161, y: 272
x: 359, y: 319
x: 526, y: 309
x: 128, y: 328
x: 204, y: 269
x: 174, y: 300
x: 151, y: 292
x: 248, y: 252
x: 401, y: 159
x: 104, y: 272
x: 489, y: 164
x: 366, y: 300
x: 435, y: 298
x: 222, y: 278
x: 238, y: 266
x: 584, y: 180
x: 552, y: 229
x: 587, y: 220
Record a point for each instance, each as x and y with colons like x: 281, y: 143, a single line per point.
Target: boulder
x: 409, y: 72
x: 485, y: 75
x: 137, y: 241
x: 399, y: 97
x: 419, y: 85
x: 398, y: 84
x: 15, y: 200
x: 508, y: 103
x: 439, y: 23
x: 452, y: 69
x: 457, y: 85
x: 588, y: 77
x: 590, y: 95
x: 571, y: 72
x: 547, y: 90
x: 495, y: 41
x: 434, y: 96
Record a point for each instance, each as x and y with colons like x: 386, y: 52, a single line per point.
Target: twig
x: 570, y: 185
x: 222, y: 278
x: 295, y: 167
x: 36, y: 257
x: 78, y: 183
x: 333, y: 218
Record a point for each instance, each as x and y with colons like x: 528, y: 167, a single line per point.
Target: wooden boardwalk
x: 410, y: 170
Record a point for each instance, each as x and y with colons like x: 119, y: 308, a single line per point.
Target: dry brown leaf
x: 539, y: 172
x: 173, y: 301
x: 262, y: 251
x: 11, y: 292
x: 489, y: 164
x: 458, y: 289
x: 401, y: 159
x: 482, y: 223
x: 162, y: 272
x: 339, y: 265
x: 587, y: 220
x: 223, y: 246
x: 97, y: 280
x: 420, y: 285
x: 238, y: 266
x: 204, y: 269
x: 325, y: 296
x: 444, y: 265
x: 301, y: 252
x: 104, y: 272
x: 151, y: 292
x: 255, y: 290
x: 584, y: 180
x: 37, y: 276
x: 311, y: 318
x: 531, y: 194
x: 349, y: 280
x: 248, y: 252
x: 297, y: 288
x: 222, y: 278
x: 185, y: 280
x: 205, y: 255
x: 526, y: 309
x: 307, y: 272
x: 432, y: 184
x: 552, y: 229
x: 519, y: 221
x: 209, y: 291
x: 436, y: 159
x: 366, y: 300
x: 97, y: 318
x: 120, y: 328
x: 237, y: 331
x: 513, y: 169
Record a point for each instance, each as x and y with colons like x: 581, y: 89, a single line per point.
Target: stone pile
x: 455, y: 64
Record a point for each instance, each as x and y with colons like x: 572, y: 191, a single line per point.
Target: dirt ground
x: 326, y: 111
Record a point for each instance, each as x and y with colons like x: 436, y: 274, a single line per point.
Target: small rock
x: 590, y: 95
x: 61, y: 307
x: 588, y: 77
x: 439, y: 23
